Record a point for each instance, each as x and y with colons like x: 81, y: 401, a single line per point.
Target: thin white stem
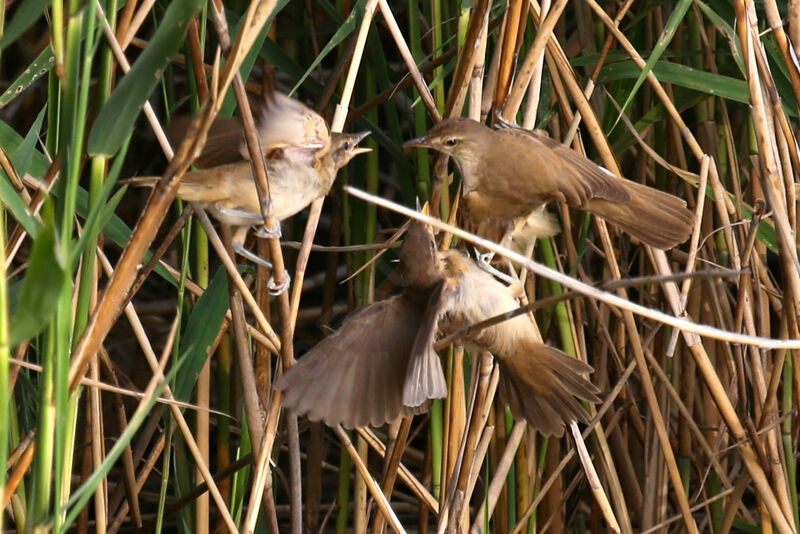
x: 577, y: 285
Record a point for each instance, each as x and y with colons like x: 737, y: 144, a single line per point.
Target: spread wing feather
x: 352, y: 377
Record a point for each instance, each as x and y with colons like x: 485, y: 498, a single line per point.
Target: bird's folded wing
x: 286, y: 122
x: 572, y: 176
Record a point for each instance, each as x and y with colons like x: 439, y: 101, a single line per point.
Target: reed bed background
x: 139, y: 398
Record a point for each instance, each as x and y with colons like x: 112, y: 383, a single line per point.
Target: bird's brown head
x: 419, y: 257
x: 462, y: 139
x: 344, y: 147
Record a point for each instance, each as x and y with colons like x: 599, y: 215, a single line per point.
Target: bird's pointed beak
x: 360, y: 150
x: 360, y: 136
x: 419, y: 142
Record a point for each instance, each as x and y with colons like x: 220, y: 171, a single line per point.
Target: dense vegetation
x: 135, y: 364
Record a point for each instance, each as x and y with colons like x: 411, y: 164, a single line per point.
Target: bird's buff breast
x: 477, y: 296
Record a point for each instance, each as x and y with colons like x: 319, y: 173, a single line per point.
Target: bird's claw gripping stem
x: 270, y: 233
x: 484, y: 261
x: 273, y: 288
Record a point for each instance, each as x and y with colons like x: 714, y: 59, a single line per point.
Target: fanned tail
x: 542, y: 385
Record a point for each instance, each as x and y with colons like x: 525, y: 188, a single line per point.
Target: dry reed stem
x: 691, y: 423
x: 234, y: 275
x: 403, y: 472
x: 608, y: 158
x: 360, y: 509
x: 128, y: 468
x: 466, y: 60
x: 596, y: 131
x: 594, y: 480
x: 272, y: 225
x: 261, y: 472
x: 396, y: 446
x: 761, y: 483
x: 375, y: 491
x: 149, y: 464
x: 337, y: 124
x: 513, y: 24
x: 591, y: 428
x: 476, y: 79
x: 475, y: 470
x: 484, y: 389
x: 499, y: 477
x: 98, y: 452
x: 533, y: 57
x: 191, y: 443
x: 405, y: 52
x: 135, y: 23
x: 19, y: 233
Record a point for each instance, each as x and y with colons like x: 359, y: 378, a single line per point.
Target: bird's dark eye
x: 451, y: 141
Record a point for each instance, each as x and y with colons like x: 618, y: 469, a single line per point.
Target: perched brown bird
x: 296, y: 178
x: 302, y: 156
x: 509, y: 172
x: 380, y: 364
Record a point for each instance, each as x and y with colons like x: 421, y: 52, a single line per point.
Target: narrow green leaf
x: 41, y: 65
x: 343, y: 31
x: 10, y: 140
x: 44, y: 280
x: 201, y: 330
x: 98, y: 218
x: 82, y: 494
x: 22, y: 157
x: 675, y: 73
x: 670, y: 28
x: 115, y: 120
x: 18, y: 207
x: 726, y: 29
x: 27, y: 13
x: 247, y: 65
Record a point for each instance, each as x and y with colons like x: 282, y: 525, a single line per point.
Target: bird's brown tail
x: 542, y: 385
x: 654, y: 217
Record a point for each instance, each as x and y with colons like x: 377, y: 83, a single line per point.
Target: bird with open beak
x: 303, y: 158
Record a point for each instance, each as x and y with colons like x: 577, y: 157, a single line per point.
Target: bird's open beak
x: 361, y: 149
x: 419, y: 142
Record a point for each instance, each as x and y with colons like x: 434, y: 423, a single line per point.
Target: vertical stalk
x: 5, y: 353
x: 420, y: 116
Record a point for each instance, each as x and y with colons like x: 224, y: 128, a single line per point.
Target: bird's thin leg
x: 274, y: 289
x: 236, y: 216
x: 243, y: 252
